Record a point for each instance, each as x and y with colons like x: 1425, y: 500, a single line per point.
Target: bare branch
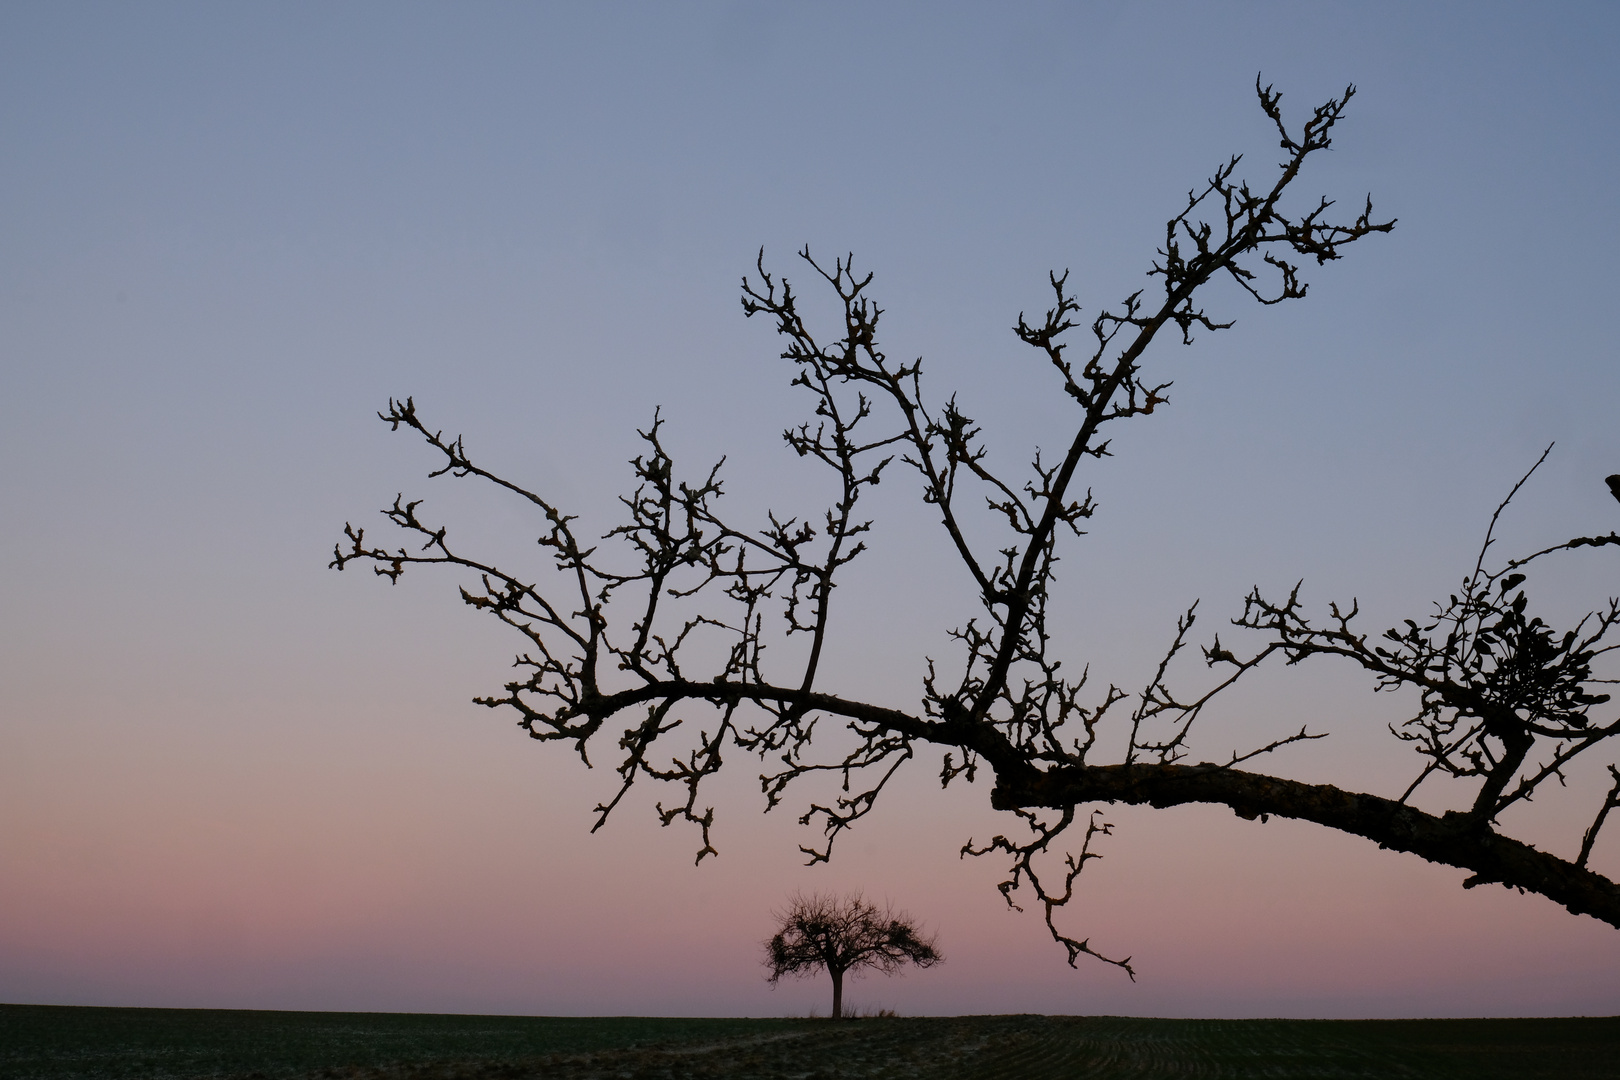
x: 703, y: 635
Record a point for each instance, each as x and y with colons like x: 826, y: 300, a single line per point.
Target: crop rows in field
x: 39, y: 1043
x: 1111, y: 1048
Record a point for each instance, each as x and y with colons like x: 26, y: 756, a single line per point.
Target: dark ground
x: 41, y: 1042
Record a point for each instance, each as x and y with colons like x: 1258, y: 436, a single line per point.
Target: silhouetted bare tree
x: 665, y: 618
x: 841, y: 935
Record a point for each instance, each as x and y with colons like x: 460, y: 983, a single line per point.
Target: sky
x: 230, y: 777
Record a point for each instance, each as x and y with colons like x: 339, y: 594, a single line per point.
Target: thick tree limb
x: 679, y: 611
x: 1452, y: 839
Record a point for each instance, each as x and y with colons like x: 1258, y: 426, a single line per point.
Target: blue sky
x: 232, y: 232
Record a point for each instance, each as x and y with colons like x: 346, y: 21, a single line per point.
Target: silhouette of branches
x: 699, y: 635
x: 840, y: 935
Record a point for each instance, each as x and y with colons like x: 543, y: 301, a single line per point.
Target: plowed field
x: 53, y: 1043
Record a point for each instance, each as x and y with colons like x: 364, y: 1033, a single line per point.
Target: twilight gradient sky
x: 230, y: 777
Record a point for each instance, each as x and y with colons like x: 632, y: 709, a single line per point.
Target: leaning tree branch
x: 699, y: 634
x: 1451, y: 839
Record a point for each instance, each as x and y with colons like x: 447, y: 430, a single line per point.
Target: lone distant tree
x: 681, y: 612
x: 845, y: 934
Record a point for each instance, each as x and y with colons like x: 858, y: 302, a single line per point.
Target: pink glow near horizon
x: 232, y: 778
x: 449, y: 878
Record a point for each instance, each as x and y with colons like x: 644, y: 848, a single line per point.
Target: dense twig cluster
x: 668, y: 616
x: 1493, y: 681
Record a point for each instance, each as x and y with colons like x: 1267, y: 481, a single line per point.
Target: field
x: 39, y: 1042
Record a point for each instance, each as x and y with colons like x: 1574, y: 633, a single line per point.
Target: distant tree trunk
x: 844, y: 934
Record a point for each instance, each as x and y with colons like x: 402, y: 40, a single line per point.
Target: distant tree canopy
x: 661, y: 623
x: 844, y: 934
